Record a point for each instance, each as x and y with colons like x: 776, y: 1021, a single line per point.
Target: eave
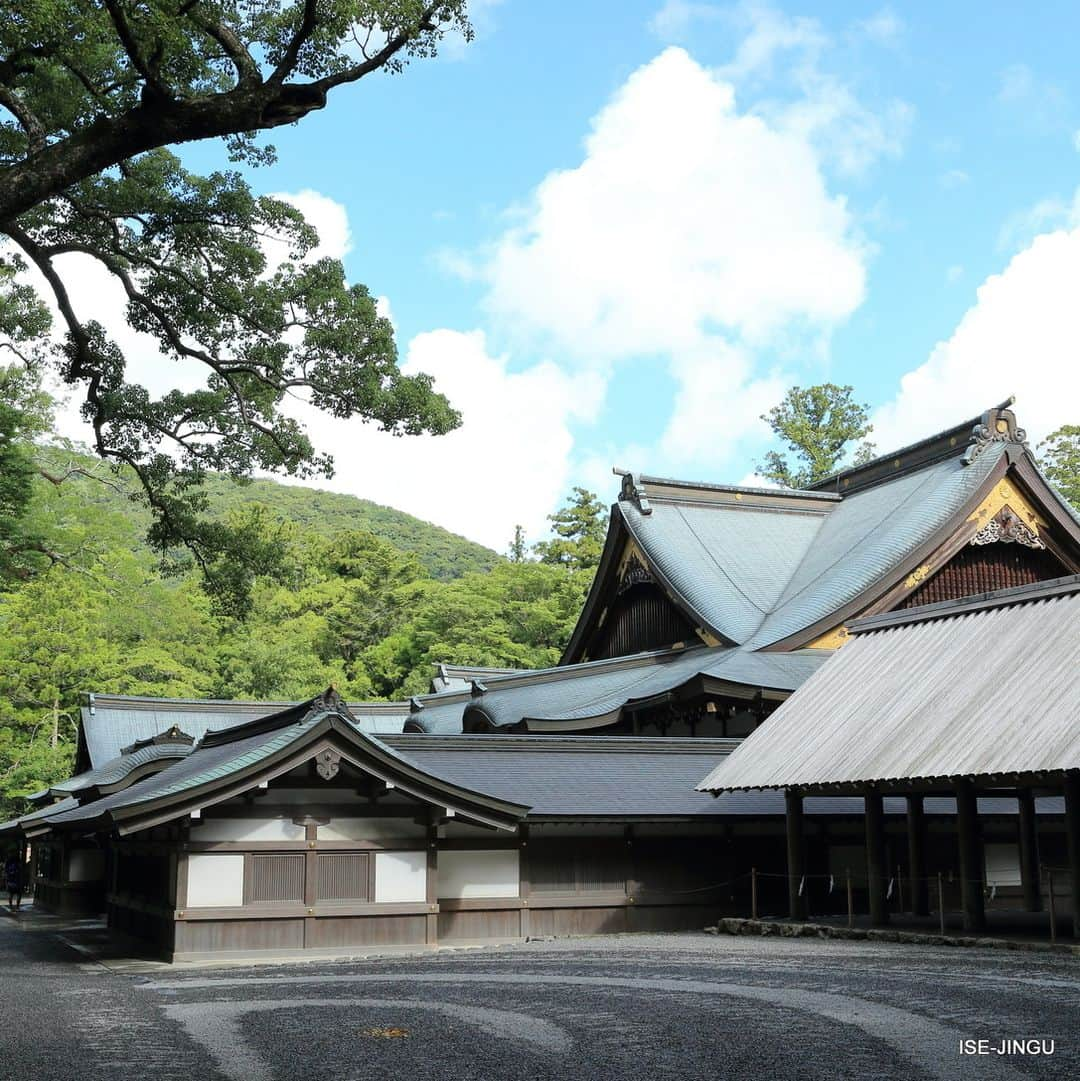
x: 361, y: 751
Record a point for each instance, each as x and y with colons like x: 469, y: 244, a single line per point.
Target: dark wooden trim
x: 971, y: 856
x: 796, y: 854
x: 1028, y: 846
x: 524, y: 882
x: 480, y: 904
x: 411, y: 845
x: 290, y: 811
x: 431, y: 883
x: 287, y: 910
x: 876, y: 869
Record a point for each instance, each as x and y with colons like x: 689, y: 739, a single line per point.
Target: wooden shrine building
x: 962, y: 699
x: 507, y: 803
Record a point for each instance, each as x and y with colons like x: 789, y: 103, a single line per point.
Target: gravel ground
x: 618, y: 1008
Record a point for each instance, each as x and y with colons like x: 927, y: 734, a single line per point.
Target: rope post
x: 753, y: 893
x: 850, y: 901
x: 941, y: 901
x: 1053, y: 907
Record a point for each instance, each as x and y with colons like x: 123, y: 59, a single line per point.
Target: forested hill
x: 358, y: 595
x: 442, y: 554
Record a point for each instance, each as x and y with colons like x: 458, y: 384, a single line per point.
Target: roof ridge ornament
x: 632, y: 490
x: 476, y: 688
x: 996, y: 425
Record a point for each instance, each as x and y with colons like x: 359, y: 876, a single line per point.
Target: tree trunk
x: 54, y: 739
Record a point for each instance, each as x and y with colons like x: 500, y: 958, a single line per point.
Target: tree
x: 517, y: 615
x: 817, y: 424
x: 1061, y: 461
x: 91, y: 96
x: 580, y: 527
x: 518, y: 548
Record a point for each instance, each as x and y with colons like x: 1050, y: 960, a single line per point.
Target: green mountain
x: 443, y: 554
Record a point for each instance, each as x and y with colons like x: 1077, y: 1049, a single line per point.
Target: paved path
x: 623, y: 1007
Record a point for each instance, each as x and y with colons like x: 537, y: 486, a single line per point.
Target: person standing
x: 13, y: 876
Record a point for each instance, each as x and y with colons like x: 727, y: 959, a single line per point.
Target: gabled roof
x: 229, y: 761
x: 984, y: 687
x: 596, y: 693
x: 111, y: 722
x: 120, y: 771
x: 775, y: 568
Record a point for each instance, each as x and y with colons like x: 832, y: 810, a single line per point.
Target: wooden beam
x: 916, y: 836
x: 876, y: 870
x: 1028, y: 843
x: 525, y: 925
x: 431, y: 894
x: 971, y: 864
x: 796, y: 854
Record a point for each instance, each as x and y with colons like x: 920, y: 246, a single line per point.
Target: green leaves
x: 91, y: 96
x: 1060, y: 460
x: 580, y: 527
x: 817, y: 424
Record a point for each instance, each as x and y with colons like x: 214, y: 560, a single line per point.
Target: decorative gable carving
x: 327, y: 763
x: 1006, y: 527
x: 634, y: 572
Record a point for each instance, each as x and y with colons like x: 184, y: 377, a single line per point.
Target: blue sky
x: 615, y: 232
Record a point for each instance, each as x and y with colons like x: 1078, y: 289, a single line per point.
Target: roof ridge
x: 890, y: 512
x: 979, y: 431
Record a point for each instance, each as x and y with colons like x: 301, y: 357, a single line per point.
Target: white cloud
x: 884, y: 27
x: 1022, y: 337
x: 330, y: 219
x: 655, y: 238
x: 782, y: 58
x: 674, y: 21
x: 1041, y: 106
x: 953, y: 178
x: 693, y: 232
x: 509, y: 462
x: 1021, y: 229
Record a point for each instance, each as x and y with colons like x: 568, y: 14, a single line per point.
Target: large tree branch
x: 247, y: 70
x: 147, y: 67
x: 109, y: 141
x: 28, y: 121
x: 308, y: 23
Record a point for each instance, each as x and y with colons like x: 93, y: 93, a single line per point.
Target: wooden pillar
x: 431, y: 893
x: 1072, y: 841
x: 311, y: 880
x: 971, y: 864
x: 1028, y: 844
x: 525, y: 928
x: 796, y: 854
x: 876, y: 870
x: 916, y: 839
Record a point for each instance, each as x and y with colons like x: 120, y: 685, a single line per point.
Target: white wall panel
x: 483, y: 873
x: 246, y: 829
x: 401, y: 876
x: 215, y: 880
x: 371, y: 829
